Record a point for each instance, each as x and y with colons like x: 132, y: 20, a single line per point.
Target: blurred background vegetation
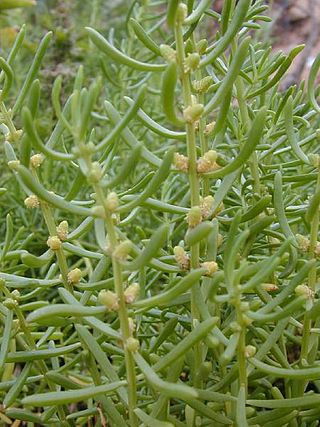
x: 294, y: 22
x: 66, y: 18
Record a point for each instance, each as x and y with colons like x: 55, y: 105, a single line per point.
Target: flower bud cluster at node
x: 304, y: 245
x: 132, y: 344
x: 202, y: 86
x: 95, y: 174
x: 209, y: 128
x: 109, y: 299
x: 74, y: 276
x: 192, y: 113
x: 13, y: 164
x: 206, y: 204
x: 32, y: 202
x: 54, y: 243
x: 132, y: 293
x: 210, y: 266
x: 169, y: 54
x: 14, y: 136
x: 250, y: 351
x: 62, y: 230
x: 112, y: 202
x: 181, y: 14
x: 194, y: 216
x: 122, y: 251
x: 181, y: 162
x: 305, y: 291
x: 207, y: 163
x: 36, y: 160
x: 181, y: 257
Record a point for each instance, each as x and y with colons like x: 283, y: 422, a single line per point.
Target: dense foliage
x: 160, y: 218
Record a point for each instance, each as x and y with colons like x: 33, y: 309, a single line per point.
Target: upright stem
x: 119, y: 289
x: 194, y: 184
x: 123, y: 314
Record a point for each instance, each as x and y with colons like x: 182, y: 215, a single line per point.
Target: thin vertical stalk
x: 193, y: 181
x: 123, y: 313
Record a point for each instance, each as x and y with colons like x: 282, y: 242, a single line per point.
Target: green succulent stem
x: 123, y: 312
x: 194, y: 185
x: 119, y: 289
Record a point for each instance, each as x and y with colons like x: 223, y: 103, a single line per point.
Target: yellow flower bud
x: 244, y: 306
x: 122, y: 251
x: 235, y: 327
x: 182, y: 12
x: 194, y: 216
x: 168, y: 53
x: 303, y: 242
x: 304, y: 290
x: 74, y: 276
x: 54, y: 243
x: 36, y: 160
x: 317, y: 249
x: 109, y: 299
x: 206, y: 204
x: 95, y: 174
x: 14, y: 136
x: 131, y: 293
x: 210, y: 266
x: 250, y: 351
x: 181, y: 257
x: 209, y: 128
x: 207, y: 162
x: 13, y: 164
x: 132, y: 344
x: 201, y: 86
x: 132, y: 324
x: 193, y: 113
x: 32, y: 202
x: 246, y: 321
x: 181, y: 162
x: 112, y: 201
x: 62, y: 230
